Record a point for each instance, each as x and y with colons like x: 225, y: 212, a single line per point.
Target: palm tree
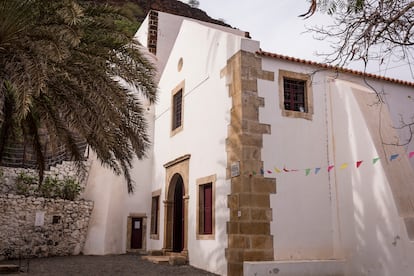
x: 60, y: 66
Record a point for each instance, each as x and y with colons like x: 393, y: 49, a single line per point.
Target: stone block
x: 240, y: 214
x: 251, y: 152
x: 261, y: 242
x: 233, y: 201
x: 238, y: 241
x: 251, y: 166
x: 260, y: 214
x: 264, y: 185
x: 254, y: 228
x: 233, y: 228
x: 177, y: 260
x: 266, y: 75
x: 254, y: 200
x: 240, y: 185
x: 235, y: 269
x: 249, y: 85
x: 234, y: 255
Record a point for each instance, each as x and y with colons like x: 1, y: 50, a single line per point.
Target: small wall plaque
x: 40, y: 218
x: 235, y: 169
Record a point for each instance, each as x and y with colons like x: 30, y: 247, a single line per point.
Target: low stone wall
x: 41, y: 227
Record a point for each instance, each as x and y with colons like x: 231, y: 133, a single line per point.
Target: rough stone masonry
x: 42, y: 227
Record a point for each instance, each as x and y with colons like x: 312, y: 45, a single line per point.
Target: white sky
x: 275, y: 23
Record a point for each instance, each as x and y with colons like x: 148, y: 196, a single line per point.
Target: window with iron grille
x: 295, y: 95
x: 177, y: 109
x: 294, y: 92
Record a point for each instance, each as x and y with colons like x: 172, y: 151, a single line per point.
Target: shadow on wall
x: 374, y: 240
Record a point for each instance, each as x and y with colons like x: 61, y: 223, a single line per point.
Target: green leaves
x: 60, y: 80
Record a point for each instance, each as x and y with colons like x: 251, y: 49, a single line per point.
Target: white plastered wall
x: 373, y: 235
x: 302, y: 207
x: 107, y: 232
x: 204, y: 52
x: 349, y: 213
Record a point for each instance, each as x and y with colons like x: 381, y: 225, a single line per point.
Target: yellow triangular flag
x: 343, y: 166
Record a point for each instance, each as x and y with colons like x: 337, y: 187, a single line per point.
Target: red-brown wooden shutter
x: 208, y: 215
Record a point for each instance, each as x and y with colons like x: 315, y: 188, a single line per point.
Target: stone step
x: 173, y: 259
x: 9, y: 269
x: 157, y: 259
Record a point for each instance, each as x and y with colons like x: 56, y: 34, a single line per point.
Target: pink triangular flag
x: 411, y: 154
x: 358, y: 163
x: 330, y: 167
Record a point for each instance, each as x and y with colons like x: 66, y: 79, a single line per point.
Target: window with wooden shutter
x: 205, y: 212
x: 155, y: 215
x: 205, y: 209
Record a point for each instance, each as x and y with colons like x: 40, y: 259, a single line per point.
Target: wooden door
x: 136, y: 233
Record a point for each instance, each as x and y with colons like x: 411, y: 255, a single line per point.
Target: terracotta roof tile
x: 334, y: 68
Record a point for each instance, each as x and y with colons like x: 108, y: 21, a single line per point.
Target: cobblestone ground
x: 102, y: 265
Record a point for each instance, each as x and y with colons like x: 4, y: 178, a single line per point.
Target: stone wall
x: 40, y: 227
x: 248, y: 230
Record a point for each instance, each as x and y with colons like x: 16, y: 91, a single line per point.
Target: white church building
x: 263, y: 164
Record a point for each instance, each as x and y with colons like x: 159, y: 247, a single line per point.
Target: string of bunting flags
x: 309, y: 171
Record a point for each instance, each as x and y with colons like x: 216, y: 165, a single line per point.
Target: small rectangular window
x: 56, y: 219
x: 154, y: 214
x: 177, y: 109
x: 205, y: 209
x: 294, y: 95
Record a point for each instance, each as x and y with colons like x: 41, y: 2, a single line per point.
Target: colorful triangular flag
x: 358, y: 163
x: 269, y: 172
x: 344, y: 166
x: 330, y: 167
x: 277, y: 170
x: 375, y: 160
x: 307, y: 171
x: 393, y: 157
x: 411, y: 154
x: 317, y: 170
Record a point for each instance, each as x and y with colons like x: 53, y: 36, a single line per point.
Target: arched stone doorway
x: 176, y: 205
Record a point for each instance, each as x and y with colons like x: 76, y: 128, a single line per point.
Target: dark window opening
x: 154, y: 214
x: 55, y: 219
x: 294, y: 95
x: 177, y: 109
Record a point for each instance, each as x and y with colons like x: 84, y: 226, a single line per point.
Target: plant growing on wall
x: 26, y: 184
x: 52, y: 187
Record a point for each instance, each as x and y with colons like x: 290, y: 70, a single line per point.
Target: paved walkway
x: 103, y: 265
